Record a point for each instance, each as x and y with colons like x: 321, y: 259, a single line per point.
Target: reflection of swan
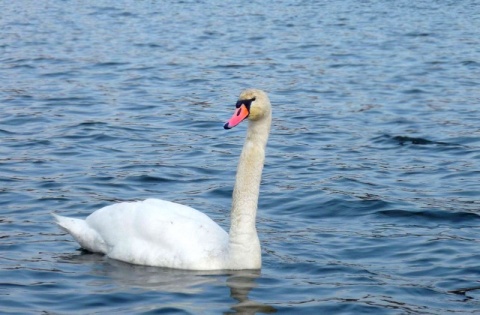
x: 148, y: 278
x: 160, y: 233
x: 193, y: 285
x: 241, y: 283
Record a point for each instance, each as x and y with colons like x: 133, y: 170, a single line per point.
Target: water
x: 370, y: 195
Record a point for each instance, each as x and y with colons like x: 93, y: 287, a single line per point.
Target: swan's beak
x: 240, y: 114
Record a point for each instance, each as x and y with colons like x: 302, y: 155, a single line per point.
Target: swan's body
x: 161, y: 233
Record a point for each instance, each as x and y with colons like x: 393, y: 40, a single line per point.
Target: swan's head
x: 252, y: 104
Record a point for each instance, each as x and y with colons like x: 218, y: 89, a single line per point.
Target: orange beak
x: 238, y: 116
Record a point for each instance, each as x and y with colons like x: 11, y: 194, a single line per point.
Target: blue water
x: 370, y: 198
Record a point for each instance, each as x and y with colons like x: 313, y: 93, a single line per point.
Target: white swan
x: 160, y: 233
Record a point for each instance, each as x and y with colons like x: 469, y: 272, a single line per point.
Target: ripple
x: 429, y: 216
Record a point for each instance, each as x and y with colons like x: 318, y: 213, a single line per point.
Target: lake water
x: 370, y: 198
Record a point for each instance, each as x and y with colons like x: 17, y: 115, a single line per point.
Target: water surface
x: 370, y: 195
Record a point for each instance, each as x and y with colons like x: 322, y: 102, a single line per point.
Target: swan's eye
x: 247, y: 103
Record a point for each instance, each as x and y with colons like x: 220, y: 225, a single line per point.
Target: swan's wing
x: 159, y: 233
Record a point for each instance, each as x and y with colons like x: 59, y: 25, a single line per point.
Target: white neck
x: 244, y: 246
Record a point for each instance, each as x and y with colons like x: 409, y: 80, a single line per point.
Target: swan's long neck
x: 244, y: 243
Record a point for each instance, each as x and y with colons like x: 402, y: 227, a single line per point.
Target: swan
x: 161, y: 233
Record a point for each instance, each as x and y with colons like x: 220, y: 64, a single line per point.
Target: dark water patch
x: 59, y: 75
x: 91, y: 123
x: 104, y: 9
x: 231, y: 66
x: 89, y: 138
x: 110, y: 64
x: 418, y: 34
x: 406, y: 140
x: 470, y: 63
x: 414, y: 91
x: 165, y: 310
x: 149, y: 45
x: 196, y: 81
x: 149, y: 179
x: 464, y: 291
x: 30, y: 143
x: 6, y: 132
x: 23, y: 66
x: 61, y: 101
x: 420, y: 141
x: 430, y: 216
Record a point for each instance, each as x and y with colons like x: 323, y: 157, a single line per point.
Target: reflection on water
x: 241, y: 283
x: 162, y: 280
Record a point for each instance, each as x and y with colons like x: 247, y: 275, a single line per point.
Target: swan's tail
x: 87, y: 237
